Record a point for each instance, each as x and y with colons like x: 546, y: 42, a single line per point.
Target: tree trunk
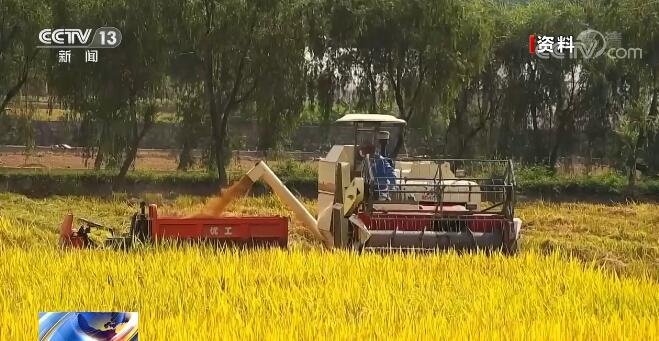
x: 215, y: 130
x: 400, y: 141
x: 400, y: 137
x: 132, y: 152
x: 13, y: 91
x: 128, y: 161
x: 210, y: 92
x: 222, y: 148
x: 631, y: 176
x: 209, y: 84
x: 98, y: 161
x: 372, y: 85
x: 185, y: 157
x: 553, y: 156
x: 539, y: 147
x: 100, y: 154
x: 461, y: 123
x: 561, y: 131
x: 504, y: 133
x: 561, y: 137
x: 537, y: 135
x: 644, y: 134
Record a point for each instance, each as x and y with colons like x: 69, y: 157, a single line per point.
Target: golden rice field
x: 576, y: 278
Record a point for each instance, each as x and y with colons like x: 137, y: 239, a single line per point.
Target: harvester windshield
x: 371, y: 135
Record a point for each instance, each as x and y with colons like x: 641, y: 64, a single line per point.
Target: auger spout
x: 261, y: 171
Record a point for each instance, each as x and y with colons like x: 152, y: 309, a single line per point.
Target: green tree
x: 192, y: 113
x: 410, y: 56
x: 20, y: 23
x: 249, y: 57
x: 115, y: 99
x: 632, y: 125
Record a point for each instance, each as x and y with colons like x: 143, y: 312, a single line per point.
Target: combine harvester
x: 365, y: 201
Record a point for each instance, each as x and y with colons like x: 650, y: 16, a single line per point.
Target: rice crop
x: 205, y: 294
x: 561, y: 286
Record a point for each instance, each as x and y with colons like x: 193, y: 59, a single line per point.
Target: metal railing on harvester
x: 492, y: 180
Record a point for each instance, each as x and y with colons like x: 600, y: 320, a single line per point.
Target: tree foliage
x: 20, y: 22
x: 115, y: 99
x: 459, y: 72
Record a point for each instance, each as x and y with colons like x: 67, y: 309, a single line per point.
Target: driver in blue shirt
x: 381, y: 167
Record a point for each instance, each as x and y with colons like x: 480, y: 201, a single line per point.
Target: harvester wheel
x: 358, y: 247
x: 510, y: 248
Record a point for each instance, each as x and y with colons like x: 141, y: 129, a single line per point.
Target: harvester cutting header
x: 366, y: 200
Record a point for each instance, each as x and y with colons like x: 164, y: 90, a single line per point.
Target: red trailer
x: 240, y: 231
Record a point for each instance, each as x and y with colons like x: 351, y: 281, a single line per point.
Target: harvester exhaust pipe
x: 261, y: 171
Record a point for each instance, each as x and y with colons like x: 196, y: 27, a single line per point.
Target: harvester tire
x: 511, y: 248
x: 358, y: 247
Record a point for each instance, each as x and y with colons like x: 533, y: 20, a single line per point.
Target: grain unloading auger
x: 365, y: 201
